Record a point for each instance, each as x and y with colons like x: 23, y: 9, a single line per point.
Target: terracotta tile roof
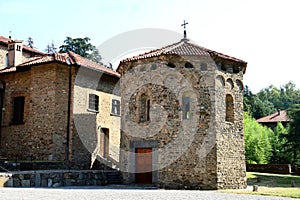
x: 280, y: 116
x: 4, y: 40
x: 69, y: 58
x: 184, y: 48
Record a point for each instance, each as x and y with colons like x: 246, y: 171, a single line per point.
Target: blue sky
x: 265, y: 33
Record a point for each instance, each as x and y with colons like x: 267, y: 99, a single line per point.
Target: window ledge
x: 116, y: 115
x: 16, y: 123
x: 93, y: 111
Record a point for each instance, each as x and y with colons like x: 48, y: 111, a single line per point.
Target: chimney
x: 14, y: 52
x: 278, y: 111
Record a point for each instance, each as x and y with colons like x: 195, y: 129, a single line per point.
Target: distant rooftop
x: 279, y: 116
x: 5, y: 40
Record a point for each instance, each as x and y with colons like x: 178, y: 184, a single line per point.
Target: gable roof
x: 69, y: 58
x: 5, y: 40
x: 280, y: 116
x: 184, y: 48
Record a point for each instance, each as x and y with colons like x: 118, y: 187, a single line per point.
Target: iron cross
x: 184, y: 26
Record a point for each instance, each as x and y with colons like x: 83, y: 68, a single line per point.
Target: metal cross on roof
x: 184, y: 26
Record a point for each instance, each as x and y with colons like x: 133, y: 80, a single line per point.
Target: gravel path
x: 113, y: 193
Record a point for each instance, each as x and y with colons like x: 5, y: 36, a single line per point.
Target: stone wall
x: 58, y: 178
x: 230, y: 134
x: 186, y: 152
x: 270, y: 168
x: 42, y: 136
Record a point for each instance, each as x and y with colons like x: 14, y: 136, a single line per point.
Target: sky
x: 264, y: 33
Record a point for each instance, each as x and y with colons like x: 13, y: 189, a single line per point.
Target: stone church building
x: 182, y: 118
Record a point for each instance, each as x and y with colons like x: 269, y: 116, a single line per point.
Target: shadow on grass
x: 273, y: 180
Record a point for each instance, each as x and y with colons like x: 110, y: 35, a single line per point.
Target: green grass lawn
x: 272, y: 185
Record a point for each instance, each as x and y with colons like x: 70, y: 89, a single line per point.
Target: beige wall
x: 87, y: 123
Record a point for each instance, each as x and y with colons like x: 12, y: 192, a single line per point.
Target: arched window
x: 144, y: 108
x: 229, y: 108
x: 172, y: 65
x: 188, y: 65
x: 186, y: 113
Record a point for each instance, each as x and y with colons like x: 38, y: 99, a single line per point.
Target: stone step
x: 113, y: 177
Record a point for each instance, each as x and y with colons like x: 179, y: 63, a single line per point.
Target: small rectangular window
x: 93, y: 103
x: 18, y: 110
x: 18, y: 48
x: 115, y: 108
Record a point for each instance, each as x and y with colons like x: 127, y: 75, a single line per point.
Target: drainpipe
x: 69, y: 114
x: 2, y: 89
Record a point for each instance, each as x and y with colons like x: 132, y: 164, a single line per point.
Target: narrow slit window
x: 229, y: 108
x: 186, y: 108
x: 144, y: 108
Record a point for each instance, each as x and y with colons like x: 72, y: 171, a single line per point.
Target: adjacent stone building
x: 182, y: 118
x: 51, y: 113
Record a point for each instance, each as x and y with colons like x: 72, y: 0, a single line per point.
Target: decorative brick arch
x: 229, y: 84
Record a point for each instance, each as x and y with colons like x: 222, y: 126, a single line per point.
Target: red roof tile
x: 63, y: 58
x: 279, y: 116
x: 184, y: 48
x: 5, y: 40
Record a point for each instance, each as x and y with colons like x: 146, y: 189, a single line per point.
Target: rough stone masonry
x: 182, y: 109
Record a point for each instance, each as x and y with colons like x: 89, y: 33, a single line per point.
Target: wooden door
x: 104, y: 142
x: 143, y: 165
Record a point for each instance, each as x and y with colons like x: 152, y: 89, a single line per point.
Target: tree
x: 30, y: 42
x: 280, y: 155
x: 81, y: 46
x: 51, y: 48
x: 257, y: 144
x: 256, y: 107
x: 293, y: 136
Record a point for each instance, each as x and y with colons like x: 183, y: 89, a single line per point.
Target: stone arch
x: 188, y: 65
x: 171, y: 81
x: 229, y: 108
x: 171, y: 65
x: 156, y: 79
x: 220, y: 81
x: 229, y: 84
x: 188, y: 98
x: 143, y: 80
x: 240, y: 85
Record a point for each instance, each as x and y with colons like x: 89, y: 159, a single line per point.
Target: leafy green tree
x: 280, y: 155
x: 293, y: 136
x: 81, y: 46
x: 257, y: 143
x: 255, y: 106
